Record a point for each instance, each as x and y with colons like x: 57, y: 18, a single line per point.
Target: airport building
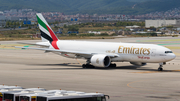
x: 2, y: 17
x: 2, y: 23
x: 161, y: 23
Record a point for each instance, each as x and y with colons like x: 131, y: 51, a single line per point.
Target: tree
x: 29, y: 27
x: 98, y: 25
x: 56, y: 27
x: 17, y: 23
x: 73, y: 28
x: 109, y: 24
x: 14, y: 23
x: 65, y: 26
x: 10, y: 24
x: 103, y: 34
x: 22, y: 24
x: 152, y: 27
x: 7, y: 24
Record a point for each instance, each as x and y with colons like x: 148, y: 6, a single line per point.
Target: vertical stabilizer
x: 47, y: 33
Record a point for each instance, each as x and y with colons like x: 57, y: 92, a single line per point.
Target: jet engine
x: 138, y: 63
x: 100, y: 60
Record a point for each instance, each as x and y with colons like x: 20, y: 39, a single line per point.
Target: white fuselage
x: 131, y: 52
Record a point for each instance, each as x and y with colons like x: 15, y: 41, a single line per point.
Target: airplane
x: 101, y: 54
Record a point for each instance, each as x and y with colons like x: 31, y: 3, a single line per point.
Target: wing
x: 112, y: 55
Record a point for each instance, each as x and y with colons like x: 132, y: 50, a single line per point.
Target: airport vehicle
x: 6, y: 91
x: 33, y: 96
x: 2, y: 85
x: 10, y: 87
x: 101, y: 54
x: 40, y: 94
x: 62, y: 95
x: 14, y: 95
x: 73, y: 96
x: 4, y: 88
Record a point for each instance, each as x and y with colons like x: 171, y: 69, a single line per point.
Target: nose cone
x: 173, y: 56
x: 170, y: 57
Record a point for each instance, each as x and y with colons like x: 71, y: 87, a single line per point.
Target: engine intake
x: 100, y: 60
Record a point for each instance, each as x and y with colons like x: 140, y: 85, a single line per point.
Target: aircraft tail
x: 47, y: 33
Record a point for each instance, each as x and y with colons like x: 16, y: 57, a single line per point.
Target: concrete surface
x: 34, y: 68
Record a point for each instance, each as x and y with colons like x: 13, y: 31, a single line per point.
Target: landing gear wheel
x: 160, y: 66
x: 160, y: 69
x: 84, y: 66
x: 112, y: 65
x: 87, y: 66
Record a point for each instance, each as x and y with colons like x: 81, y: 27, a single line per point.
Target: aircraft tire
x: 112, y: 65
x: 160, y: 69
x: 84, y: 66
x: 89, y: 66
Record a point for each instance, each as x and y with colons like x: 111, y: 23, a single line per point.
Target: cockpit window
x: 168, y: 52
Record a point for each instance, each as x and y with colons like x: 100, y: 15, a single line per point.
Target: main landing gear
x: 112, y: 65
x: 160, y: 67
x: 87, y: 66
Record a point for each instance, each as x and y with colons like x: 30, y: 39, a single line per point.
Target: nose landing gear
x: 160, y: 67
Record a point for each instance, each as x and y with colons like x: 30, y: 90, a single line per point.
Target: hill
x: 157, y: 5
x: 63, y: 5
x: 138, y: 0
x: 92, y: 6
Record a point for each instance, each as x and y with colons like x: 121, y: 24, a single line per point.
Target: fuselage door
x: 153, y: 52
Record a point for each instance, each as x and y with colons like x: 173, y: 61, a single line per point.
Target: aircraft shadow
x: 76, y: 66
x: 64, y: 64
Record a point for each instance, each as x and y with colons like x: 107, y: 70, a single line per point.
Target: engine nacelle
x: 138, y: 63
x: 100, y: 60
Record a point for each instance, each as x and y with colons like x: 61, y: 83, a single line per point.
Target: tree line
x: 127, y: 23
x: 117, y: 24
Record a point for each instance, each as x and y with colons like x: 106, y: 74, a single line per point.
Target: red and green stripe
x: 53, y: 36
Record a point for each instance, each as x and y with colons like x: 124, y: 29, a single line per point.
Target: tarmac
x: 34, y: 68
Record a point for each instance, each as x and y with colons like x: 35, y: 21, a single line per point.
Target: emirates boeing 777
x: 102, y: 54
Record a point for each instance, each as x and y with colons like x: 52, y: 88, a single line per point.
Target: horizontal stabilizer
x: 44, y: 44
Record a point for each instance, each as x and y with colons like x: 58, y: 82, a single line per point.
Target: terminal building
x: 161, y: 23
x: 2, y: 23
